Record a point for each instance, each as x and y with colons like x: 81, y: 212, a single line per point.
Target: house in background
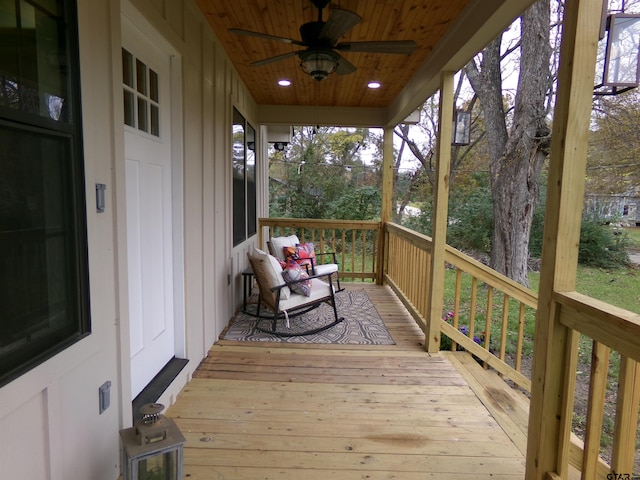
x: 133, y: 168
x: 618, y: 208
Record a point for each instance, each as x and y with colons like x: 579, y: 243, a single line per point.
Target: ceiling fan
x: 321, y: 57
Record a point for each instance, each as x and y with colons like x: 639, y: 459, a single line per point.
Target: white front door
x: 147, y: 94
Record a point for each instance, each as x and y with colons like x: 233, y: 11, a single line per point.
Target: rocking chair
x: 276, y: 248
x: 277, y: 296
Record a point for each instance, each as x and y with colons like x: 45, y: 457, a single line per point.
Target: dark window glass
x: 251, y: 181
x: 35, y: 60
x: 238, y: 158
x: 129, y: 109
x: 143, y: 123
x: 127, y: 68
x: 153, y: 85
x: 43, y: 267
x: 141, y: 77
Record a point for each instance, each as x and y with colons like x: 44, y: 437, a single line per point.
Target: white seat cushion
x: 278, y: 243
x: 326, y: 269
x: 319, y: 289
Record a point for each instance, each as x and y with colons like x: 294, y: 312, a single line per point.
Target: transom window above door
x: 140, y: 92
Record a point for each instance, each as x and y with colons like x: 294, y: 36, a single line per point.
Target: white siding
x: 50, y: 426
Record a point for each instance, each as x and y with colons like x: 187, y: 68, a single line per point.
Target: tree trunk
x: 517, y: 156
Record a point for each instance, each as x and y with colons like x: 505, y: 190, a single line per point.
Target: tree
x: 419, y: 182
x: 614, y: 149
x: 322, y: 175
x: 517, y: 149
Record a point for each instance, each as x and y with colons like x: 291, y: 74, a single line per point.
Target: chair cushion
x: 319, y: 290
x: 294, y: 272
x: 326, y: 268
x: 274, y: 272
x: 278, y: 243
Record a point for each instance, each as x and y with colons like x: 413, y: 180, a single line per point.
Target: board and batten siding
x: 50, y: 426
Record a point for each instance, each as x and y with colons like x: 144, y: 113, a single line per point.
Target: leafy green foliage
x: 601, y: 245
x: 362, y: 203
x: 322, y: 175
x: 471, y: 220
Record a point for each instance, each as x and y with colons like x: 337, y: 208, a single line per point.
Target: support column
x: 555, y: 347
x: 440, y: 212
x: 387, y: 199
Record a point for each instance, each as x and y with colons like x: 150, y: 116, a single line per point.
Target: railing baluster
x: 597, y: 391
x: 456, y: 305
x: 624, y: 438
x: 472, y: 313
x: 520, y: 338
x: 505, y: 326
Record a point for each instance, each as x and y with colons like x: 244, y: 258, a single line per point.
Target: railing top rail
x: 615, y: 327
x: 490, y: 276
x: 319, y: 223
x: 470, y: 265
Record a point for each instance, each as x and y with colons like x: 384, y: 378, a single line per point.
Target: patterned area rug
x: 362, y: 324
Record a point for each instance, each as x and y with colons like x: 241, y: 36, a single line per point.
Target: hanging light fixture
x: 319, y: 63
x: 618, y: 53
x: 461, y: 128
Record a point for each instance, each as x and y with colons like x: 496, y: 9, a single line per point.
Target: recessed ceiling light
x: 374, y: 85
x: 284, y: 82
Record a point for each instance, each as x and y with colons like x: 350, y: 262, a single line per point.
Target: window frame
x: 68, y: 130
x: 244, y: 167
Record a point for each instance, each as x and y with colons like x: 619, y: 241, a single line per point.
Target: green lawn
x: 619, y: 287
x: 633, y: 236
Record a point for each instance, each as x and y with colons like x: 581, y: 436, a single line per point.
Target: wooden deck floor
x: 318, y: 412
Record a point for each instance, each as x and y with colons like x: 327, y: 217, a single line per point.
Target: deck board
x: 256, y: 410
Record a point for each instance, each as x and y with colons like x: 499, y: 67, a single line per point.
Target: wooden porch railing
x: 487, y: 305
x: 481, y: 294
x: 356, y: 243
x: 490, y: 315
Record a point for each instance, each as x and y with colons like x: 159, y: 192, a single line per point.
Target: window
x: 43, y: 267
x: 140, y: 84
x: 244, y: 179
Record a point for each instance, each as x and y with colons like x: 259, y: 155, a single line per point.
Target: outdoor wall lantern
x: 152, y: 448
x: 461, y: 128
x: 618, y: 53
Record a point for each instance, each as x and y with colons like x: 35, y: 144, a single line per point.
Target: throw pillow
x: 293, y: 272
x: 302, y: 253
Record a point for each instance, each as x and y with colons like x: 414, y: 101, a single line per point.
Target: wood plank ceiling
x: 424, y: 21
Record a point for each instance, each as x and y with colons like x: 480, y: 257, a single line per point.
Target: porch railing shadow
x: 492, y: 317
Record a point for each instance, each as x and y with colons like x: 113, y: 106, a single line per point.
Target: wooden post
x: 440, y: 212
x: 387, y: 199
x: 551, y: 407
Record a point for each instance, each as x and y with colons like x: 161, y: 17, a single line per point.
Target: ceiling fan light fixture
x: 319, y: 63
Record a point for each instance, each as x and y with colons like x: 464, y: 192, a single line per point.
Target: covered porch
x: 271, y: 410
x: 256, y: 410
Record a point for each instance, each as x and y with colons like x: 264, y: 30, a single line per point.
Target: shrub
x: 601, y: 245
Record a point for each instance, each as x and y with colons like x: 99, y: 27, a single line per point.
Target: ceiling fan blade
x: 400, y: 46
x: 249, y: 33
x: 345, y: 67
x: 339, y: 22
x: 277, y: 58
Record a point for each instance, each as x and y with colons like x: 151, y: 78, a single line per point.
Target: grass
x: 633, y: 237
x: 619, y: 287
